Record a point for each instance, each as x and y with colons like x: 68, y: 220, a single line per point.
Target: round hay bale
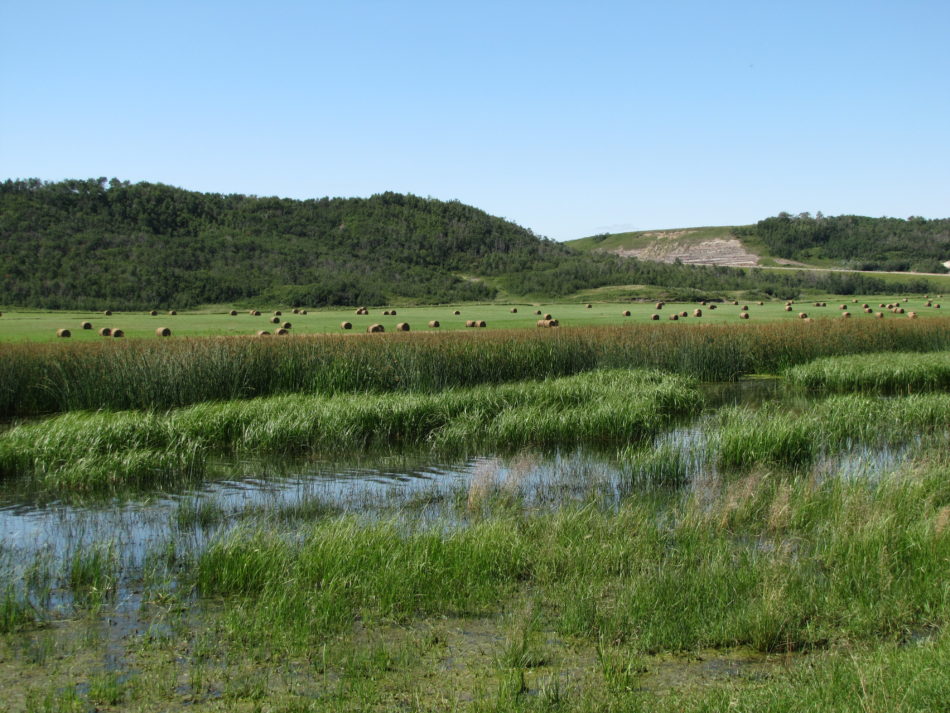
x: 846, y: 315
x: 385, y: 313
x: 864, y: 306
x: 759, y: 303
x: 683, y: 314
x: 788, y: 308
x: 818, y: 304
x: 392, y: 313
x: 674, y: 317
x: 87, y: 325
x: 654, y: 317
x: 735, y: 302
x: 281, y: 332
x: 153, y: 313
x: 286, y: 325
x: 912, y: 315
x: 402, y: 327
x: 842, y: 306
x: 108, y: 313
x: 456, y: 312
x: 303, y: 311
x: 544, y: 323
x: 703, y: 303
x: 868, y: 310
x: 375, y: 328
x: 233, y: 313
x: 63, y: 333
x: 937, y: 305
x: 105, y: 332
x: 172, y: 312
x: 277, y: 313
x: 899, y: 310
x: 263, y: 333
x: 359, y: 311
x: 626, y: 313
x: 547, y: 316
x: 854, y: 301
x: 434, y: 324
x: 295, y: 310
x: 514, y: 310
x: 275, y: 320
x: 537, y: 312
x: 802, y: 315
x: 879, y: 315
x: 589, y: 306
x: 697, y: 312
x: 743, y: 315
x: 255, y: 313
x: 658, y: 305
x: 346, y: 325
x: 117, y: 334
x: 929, y: 304
x: 744, y: 308
x: 163, y: 332
x: 881, y: 306
x: 469, y: 322
x: 480, y: 323
x: 712, y: 306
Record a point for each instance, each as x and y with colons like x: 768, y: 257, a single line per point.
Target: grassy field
x: 41, y: 326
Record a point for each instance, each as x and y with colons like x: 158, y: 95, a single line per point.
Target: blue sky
x: 568, y: 118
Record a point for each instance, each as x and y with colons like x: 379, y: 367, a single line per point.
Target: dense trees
x: 858, y: 242
x: 102, y: 243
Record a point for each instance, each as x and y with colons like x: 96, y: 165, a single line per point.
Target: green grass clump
x: 159, y: 374
x: 102, y: 450
x: 886, y: 373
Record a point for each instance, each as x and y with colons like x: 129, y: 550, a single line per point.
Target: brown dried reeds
x: 435, y: 324
x: 163, y: 332
x: 63, y: 333
x: 87, y: 325
x: 346, y: 325
x: 375, y: 328
x: 105, y: 332
x: 402, y: 327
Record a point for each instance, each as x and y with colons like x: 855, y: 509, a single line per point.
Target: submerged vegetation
x: 40, y: 379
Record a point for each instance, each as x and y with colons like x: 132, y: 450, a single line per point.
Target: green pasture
x: 41, y: 326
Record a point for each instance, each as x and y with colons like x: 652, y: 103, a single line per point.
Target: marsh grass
x: 158, y: 374
x: 881, y: 373
x: 103, y: 450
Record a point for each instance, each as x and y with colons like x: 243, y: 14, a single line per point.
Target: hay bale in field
x: 881, y: 306
x: 303, y: 311
x: 654, y: 317
x: 108, y: 313
x: 626, y: 313
x: 868, y: 310
x: 402, y: 327
x: 683, y: 314
x: 759, y: 303
x: 842, y: 306
x: 87, y: 325
x: 281, y: 332
x: 434, y: 324
x: 233, y: 313
x: 929, y: 304
x: 818, y: 304
x: 361, y: 311
x: 514, y: 310
x: 697, y: 312
x: 537, y: 312
x: 385, y: 313
x: 802, y: 315
x: 153, y: 313
x: 937, y: 305
x: 469, y: 322
x: 286, y: 325
x: 712, y: 306
x: 480, y: 323
x: 703, y: 303
x: 275, y: 320
x: 912, y: 315
x: 743, y: 315
x: 845, y: 315
x: 744, y: 308
x: 589, y: 306
x: 674, y: 317
x: 456, y: 312
x: 263, y: 333
x: 117, y: 333
x: 547, y: 316
x: 864, y: 306
x: 172, y: 312
x: 163, y: 332
x: 899, y: 310
x: 63, y: 333
x: 807, y: 319
x: 854, y: 301
x: 735, y: 303
x: 905, y: 299
x: 277, y: 313
x: 105, y: 332
x: 295, y: 310
x: 658, y: 305
x: 375, y: 328
x: 879, y: 315
x: 788, y: 308
x: 346, y: 325
x: 255, y: 313
x: 392, y: 313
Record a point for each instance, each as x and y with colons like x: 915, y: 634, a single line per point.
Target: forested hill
x: 93, y: 243
x: 96, y: 244
x: 856, y: 242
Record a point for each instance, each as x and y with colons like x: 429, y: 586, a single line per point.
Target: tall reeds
x: 38, y: 379
x: 885, y: 373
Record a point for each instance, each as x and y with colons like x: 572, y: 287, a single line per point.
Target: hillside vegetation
x: 96, y: 244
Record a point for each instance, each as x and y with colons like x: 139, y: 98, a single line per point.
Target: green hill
x: 96, y: 244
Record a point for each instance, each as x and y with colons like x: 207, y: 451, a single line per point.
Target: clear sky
x: 570, y: 118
